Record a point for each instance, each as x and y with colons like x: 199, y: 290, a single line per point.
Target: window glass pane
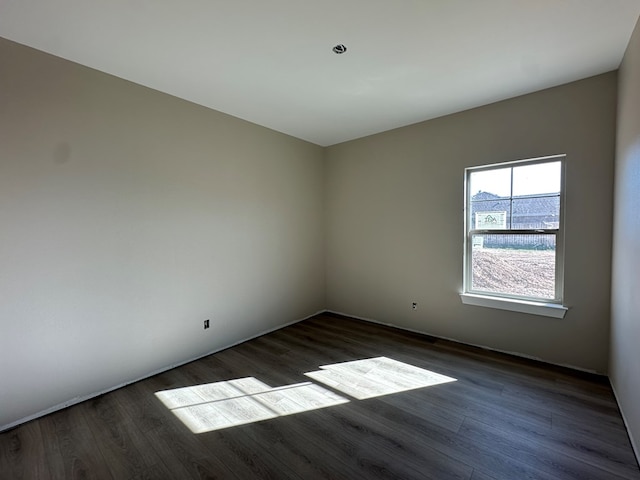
x: 495, y: 182
x: 536, y: 212
x: 536, y: 179
x: 514, y: 264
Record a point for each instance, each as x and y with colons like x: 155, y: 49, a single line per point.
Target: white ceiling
x: 271, y: 62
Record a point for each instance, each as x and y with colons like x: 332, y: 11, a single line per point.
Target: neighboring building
x: 524, y: 212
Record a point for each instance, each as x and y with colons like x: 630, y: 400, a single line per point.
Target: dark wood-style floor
x: 504, y: 418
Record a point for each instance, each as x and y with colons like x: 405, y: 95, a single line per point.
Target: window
x: 514, y: 236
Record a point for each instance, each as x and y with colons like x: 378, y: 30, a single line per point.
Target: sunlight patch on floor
x: 374, y: 377
x: 214, y: 406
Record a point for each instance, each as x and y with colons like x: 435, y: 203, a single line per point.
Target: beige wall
x: 625, y: 288
x: 395, y: 225
x: 127, y: 217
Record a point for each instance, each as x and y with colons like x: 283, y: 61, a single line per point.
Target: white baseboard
x: 82, y: 398
x: 634, y: 445
x: 484, y: 347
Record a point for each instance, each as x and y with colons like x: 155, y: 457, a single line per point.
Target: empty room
x: 320, y: 240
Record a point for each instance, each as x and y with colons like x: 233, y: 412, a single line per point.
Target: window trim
x: 539, y: 306
x: 553, y: 310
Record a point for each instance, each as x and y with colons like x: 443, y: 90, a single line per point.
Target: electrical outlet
x: 206, y: 324
x: 414, y: 306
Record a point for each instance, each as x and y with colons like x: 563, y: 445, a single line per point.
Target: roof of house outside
x: 525, y: 212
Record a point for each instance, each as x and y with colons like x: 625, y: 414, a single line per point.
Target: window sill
x: 534, y: 308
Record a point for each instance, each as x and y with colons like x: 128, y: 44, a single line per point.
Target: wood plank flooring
x: 503, y: 418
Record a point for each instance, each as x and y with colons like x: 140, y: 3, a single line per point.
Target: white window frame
x: 533, y: 305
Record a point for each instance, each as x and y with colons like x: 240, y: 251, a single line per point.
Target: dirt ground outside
x: 519, y: 272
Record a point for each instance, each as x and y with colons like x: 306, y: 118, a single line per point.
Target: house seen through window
x: 514, y: 235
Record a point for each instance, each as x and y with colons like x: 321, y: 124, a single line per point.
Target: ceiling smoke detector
x: 339, y: 49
